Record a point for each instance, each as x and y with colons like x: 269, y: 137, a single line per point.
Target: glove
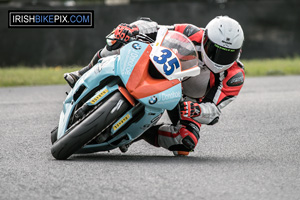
x: 189, y: 109
x: 125, y: 31
x: 120, y: 35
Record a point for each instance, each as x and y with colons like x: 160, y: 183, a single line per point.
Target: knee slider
x: 187, y: 145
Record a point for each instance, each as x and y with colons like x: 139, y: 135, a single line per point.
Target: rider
x: 220, y: 81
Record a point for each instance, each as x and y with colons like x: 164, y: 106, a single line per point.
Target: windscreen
x: 183, y: 47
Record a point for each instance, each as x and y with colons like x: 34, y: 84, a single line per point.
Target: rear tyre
x: 90, y: 127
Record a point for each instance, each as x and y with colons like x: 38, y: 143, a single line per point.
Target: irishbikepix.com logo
x: 50, y: 19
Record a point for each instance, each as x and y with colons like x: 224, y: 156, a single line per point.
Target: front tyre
x: 90, y: 127
x: 54, y: 135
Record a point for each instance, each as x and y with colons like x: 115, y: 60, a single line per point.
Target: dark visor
x: 218, y: 54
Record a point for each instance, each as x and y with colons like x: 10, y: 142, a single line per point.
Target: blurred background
x: 272, y: 27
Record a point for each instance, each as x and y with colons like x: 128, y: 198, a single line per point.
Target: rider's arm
x: 225, y: 88
x: 144, y: 25
x: 148, y: 27
x: 193, y: 32
x: 105, y: 52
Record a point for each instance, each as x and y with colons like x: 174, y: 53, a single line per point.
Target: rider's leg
x: 73, y: 77
x: 182, y: 137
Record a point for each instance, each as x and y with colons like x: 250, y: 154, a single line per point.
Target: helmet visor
x: 218, y: 54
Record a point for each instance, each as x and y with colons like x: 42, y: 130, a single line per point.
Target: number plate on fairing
x: 165, y: 61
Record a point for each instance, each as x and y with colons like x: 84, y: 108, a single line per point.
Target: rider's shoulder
x: 189, y: 29
x: 236, y: 68
x: 238, y: 65
x: 193, y: 32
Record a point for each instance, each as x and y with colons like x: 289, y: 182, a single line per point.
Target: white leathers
x: 165, y: 141
x: 209, y: 110
x: 201, y: 81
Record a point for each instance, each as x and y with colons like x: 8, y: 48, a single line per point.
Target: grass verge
x: 21, y: 75
x: 271, y: 67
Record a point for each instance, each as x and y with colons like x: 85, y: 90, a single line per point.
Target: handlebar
x: 169, y: 27
x: 141, y: 37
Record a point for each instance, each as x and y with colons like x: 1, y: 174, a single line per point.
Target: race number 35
x: 169, y: 64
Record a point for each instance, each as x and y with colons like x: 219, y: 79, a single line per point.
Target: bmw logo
x: 136, y: 46
x: 153, y: 100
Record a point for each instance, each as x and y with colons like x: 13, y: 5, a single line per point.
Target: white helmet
x: 221, y: 43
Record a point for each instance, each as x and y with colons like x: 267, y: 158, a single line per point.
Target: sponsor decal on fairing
x: 153, y: 100
x: 130, y: 63
x: 136, y: 46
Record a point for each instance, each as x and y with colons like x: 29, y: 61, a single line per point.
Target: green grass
x: 21, y: 75
x: 271, y: 67
x: 18, y: 76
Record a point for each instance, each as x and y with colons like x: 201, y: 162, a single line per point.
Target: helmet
x: 221, y: 43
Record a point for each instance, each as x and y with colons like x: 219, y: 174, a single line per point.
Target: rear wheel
x: 88, y: 128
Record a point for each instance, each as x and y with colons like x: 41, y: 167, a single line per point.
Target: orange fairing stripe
x: 140, y: 84
x: 126, y: 94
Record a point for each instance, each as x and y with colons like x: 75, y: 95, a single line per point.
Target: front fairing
x: 91, y: 79
x: 129, y: 56
x: 133, y: 69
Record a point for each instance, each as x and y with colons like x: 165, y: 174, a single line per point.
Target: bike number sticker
x: 169, y: 61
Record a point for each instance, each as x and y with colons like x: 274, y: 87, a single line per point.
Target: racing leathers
x: 206, y: 93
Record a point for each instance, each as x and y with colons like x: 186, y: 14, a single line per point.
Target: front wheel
x: 90, y: 127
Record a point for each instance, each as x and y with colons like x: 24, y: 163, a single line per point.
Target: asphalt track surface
x: 252, y: 153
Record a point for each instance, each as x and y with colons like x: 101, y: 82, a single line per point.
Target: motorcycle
x: 123, y: 95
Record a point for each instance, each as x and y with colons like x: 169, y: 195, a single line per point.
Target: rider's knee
x: 183, y: 137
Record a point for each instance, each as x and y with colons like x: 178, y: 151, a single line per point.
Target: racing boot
x: 73, y: 77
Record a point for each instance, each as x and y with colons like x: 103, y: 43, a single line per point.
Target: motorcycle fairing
x: 135, y: 58
x: 88, y: 81
x: 141, y: 84
x: 131, y: 54
x: 134, y: 130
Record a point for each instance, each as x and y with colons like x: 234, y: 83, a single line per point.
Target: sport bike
x: 123, y: 95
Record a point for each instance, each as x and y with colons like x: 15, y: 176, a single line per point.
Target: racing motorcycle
x: 124, y: 95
